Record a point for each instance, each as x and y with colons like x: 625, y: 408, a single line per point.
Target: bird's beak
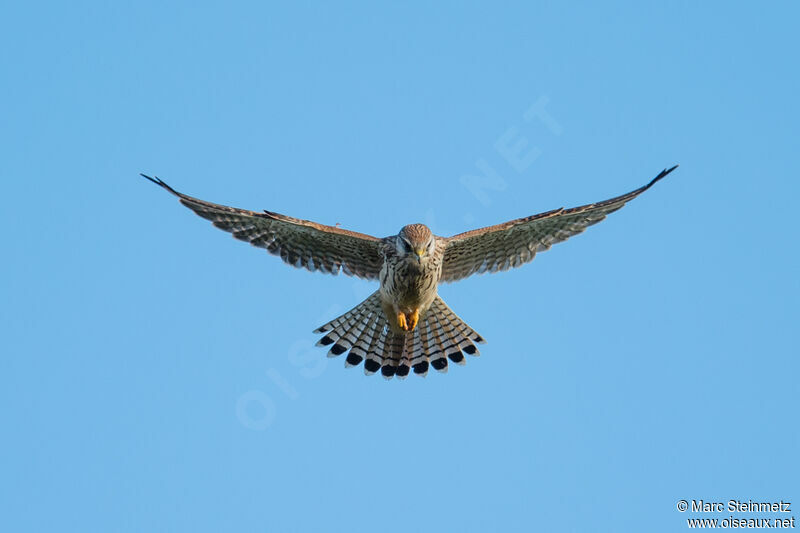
x: 419, y: 253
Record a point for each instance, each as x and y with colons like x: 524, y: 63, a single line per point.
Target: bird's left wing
x: 300, y: 243
x: 516, y: 242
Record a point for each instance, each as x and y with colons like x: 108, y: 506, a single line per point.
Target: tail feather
x: 365, y: 340
x: 344, y: 331
x: 432, y: 349
x: 468, y: 335
x: 391, y: 360
x: 439, y: 361
x: 403, y: 367
x: 366, y: 305
x: 364, y: 331
x: 413, y: 351
x: 420, y: 362
x: 457, y: 343
x: 350, y: 336
x: 374, y: 358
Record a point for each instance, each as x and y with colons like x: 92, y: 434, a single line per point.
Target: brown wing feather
x: 300, y: 243
x: 516, y: 242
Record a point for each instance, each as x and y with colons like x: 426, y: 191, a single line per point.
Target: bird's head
x: 415, y: 241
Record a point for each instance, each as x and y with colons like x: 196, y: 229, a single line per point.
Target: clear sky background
x: 157, y: 375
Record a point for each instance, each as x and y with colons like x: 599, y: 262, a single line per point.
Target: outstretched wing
x: 300, y: 243
x: 516, y: 242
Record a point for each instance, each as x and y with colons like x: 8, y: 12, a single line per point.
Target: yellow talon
x: 414, y: 319
x: 407, y: 321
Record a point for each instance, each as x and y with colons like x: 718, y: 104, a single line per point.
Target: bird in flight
x: 404, y: 325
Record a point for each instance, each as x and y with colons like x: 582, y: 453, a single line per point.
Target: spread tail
x: 364, y: 332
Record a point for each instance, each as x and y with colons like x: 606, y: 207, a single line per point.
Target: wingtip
x: 153, y: 179
x: 661, y: 175
x: 158, y: 181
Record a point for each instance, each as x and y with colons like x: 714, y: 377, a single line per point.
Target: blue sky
x: 158, y: 375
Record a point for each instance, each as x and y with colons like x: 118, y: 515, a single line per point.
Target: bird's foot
x: 413, y: 320
x: 401, y: 321
x: 407, y: 321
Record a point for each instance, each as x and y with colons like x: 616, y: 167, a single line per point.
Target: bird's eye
x: 406, y: 246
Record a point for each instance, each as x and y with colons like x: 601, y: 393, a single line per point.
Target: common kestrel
x: 404, y: 325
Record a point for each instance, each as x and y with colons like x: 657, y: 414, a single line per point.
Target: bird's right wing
x: 516, y: 242
x: 300, y: 243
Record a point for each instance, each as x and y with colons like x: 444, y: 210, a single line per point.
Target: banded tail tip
x: 324, y: 341
x: 458, y: 358
x: 421, y: 368
x: 440, y: 364
x: 352, y: 360
x: 337, y: 349
x: 371, y: 366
